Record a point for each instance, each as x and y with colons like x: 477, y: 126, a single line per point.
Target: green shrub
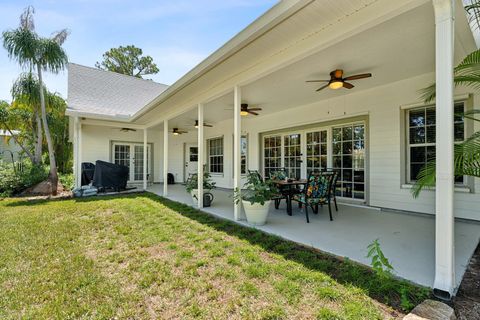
x: 67, y: 180
x: 13, y: 181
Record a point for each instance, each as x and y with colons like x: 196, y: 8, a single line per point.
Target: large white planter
x: 194, y: 194
x: 256, y: 213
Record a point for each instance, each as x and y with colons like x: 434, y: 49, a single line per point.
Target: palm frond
x: 26, y: 89
x: 467, y: 73
x: 471, y: 63
x: 60, y: 36
x: 21, y: 46
x: 26, y: 19
x: 425, y: 178
x: 470, y: 114
x: 53, y: 57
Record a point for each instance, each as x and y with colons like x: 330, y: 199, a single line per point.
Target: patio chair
x: 333, y: 192
x: 317, y: 192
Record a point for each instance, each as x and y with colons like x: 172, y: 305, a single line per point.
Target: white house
x: 9, y: 150
x: 378, y: 134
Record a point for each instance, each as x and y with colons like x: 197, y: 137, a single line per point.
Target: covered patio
x: 407, y: 239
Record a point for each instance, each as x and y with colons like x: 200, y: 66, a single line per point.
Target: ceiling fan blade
x: 255, y: 109
x: 358, y: 76
x: 317, y: 81
x: 207, y: 125
x: 251, y: 112
x: 321, y: 88
x: 348, y: 85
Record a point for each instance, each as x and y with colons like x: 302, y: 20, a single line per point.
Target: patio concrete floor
x: 408, y: 240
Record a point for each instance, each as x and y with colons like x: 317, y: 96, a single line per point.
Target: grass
x: 144, y: 257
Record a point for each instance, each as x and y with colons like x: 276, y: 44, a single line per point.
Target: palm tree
x: 467, y: 153
x: 43, y: 54
x: 26, y: 91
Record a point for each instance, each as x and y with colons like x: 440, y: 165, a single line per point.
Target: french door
x: 340, y: 148
x: 131, y: 155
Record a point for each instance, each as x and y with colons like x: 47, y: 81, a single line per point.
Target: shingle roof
x: 95, y: 91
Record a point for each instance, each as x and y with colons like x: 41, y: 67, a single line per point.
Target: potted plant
x: 192, y: 186
x: 256, y: 197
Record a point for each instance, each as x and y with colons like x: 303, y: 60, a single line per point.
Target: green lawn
x: 144, y: 257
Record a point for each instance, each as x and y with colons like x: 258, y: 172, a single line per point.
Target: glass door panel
x: 292, y: 149
x: 272, y: 149
x: 121, y: 154
x: 316, y: 151
x: 348, y: 155
x: 138, y: 163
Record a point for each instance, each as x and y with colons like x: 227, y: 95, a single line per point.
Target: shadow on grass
x: 398, y: 293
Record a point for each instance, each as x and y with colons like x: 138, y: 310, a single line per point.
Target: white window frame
x: 408, y: 145
x: 209, y: 156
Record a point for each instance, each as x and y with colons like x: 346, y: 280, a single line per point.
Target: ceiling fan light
x: 175, y: 133
x: 335, y: 85
x: 243, y: 113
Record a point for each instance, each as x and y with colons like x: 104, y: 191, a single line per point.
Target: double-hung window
x: 421, y: 137
x: 215, y: 155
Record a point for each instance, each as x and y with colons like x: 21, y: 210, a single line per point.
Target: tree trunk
x: 39, y: 143
x: 53, y: 176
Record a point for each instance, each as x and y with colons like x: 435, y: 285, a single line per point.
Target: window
x: 193, y: 154
x: 215, y: 155
x: 272, y: 154
x: 243, y: 154
x: 421, y: 137
x: 348, y: 146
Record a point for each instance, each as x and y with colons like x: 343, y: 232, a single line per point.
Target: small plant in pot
x: 256, y: 197
x: 192, y: 186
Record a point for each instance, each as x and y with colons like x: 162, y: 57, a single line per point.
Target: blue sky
x: 177, y: 34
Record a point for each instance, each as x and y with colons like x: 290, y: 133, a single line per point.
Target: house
x: 378, y: 134
x: 9, y: 150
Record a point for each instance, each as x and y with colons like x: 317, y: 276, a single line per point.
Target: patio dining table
x: 286, y: 188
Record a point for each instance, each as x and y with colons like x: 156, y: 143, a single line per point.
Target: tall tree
x: 43, y: 54
x: 128, y: 60
x: 26, y: 92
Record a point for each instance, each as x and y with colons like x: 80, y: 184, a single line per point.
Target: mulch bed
x: 467, y: 301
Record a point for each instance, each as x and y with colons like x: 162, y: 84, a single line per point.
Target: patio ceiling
x: 397, y: 49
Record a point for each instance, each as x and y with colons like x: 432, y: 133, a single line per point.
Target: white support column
x: 76, y: 159
x: 237, y: 135
x: 165, y: 158
x: 444, y: 283
x: 200, y: 155
x: 145, y: 159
